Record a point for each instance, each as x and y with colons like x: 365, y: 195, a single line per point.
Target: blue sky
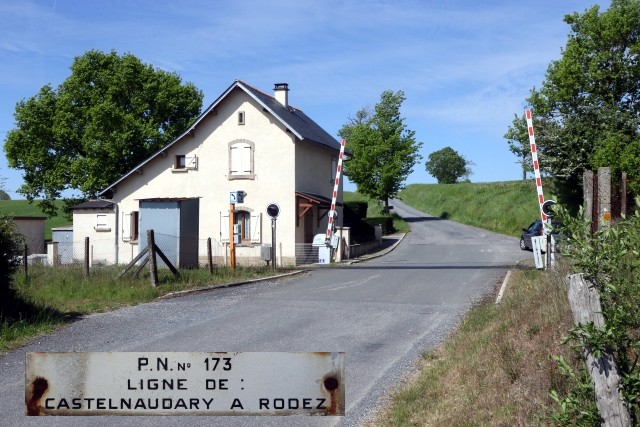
x: 465, y: 66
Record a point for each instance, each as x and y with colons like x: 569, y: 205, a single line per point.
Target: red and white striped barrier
x: 334, y: 198
x: 536, y: 165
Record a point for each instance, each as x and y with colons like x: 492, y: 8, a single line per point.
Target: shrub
x: 11, y: 244
x: 386, y: 222
x: 610, y: 258
x: 358, y: 207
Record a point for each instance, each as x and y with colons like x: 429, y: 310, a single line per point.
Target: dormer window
x: 183, y: 163
x: 180, y: 162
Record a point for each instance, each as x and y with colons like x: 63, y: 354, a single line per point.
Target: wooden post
x: 604, y: 198
x: 132, y: 263
x: 153, y: 267
x: 25, y: 262
x: 86, y: 257
x: 164, y: 258
x: 623, y: 194
x: 588, y: 192
x: 140, y: 267
x: 585, y: 305
x: 209, y: 255
x: 232, y: 243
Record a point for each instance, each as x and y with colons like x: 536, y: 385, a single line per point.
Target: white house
x: 246, y: 141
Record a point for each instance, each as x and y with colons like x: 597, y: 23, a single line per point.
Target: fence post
x: 623, y: 194
x: 24, y: 261
x: 585, y: 305
x: 86, y: 256
x: 209, y: 255
x: 587, y: 191
x: 153, y: 267
x: 604, y: 198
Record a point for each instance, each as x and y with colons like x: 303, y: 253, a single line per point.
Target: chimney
x: 281, y: 93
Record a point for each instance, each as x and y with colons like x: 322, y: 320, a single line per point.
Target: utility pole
x: 232, y: 237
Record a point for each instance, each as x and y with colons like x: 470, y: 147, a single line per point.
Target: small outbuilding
x: 32, y: 228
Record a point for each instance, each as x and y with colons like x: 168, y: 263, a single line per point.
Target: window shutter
x: 126, y: 227
x: 256, y: 227
x: 236, y: 159
x: 191, y: 162
x: 246, y: 159
x: 224, y: 226
x: 240, y: 159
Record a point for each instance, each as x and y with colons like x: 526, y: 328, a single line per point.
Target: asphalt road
x: 382, y: 313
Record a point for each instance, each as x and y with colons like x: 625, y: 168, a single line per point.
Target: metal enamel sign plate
x: 184, y: 383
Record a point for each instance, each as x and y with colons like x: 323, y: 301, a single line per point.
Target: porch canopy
x: 306, y: 201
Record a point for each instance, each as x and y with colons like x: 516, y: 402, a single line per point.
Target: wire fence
x: 180, y: 251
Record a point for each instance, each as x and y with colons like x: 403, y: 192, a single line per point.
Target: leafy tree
x: 518, y: 140
x: 447, y: 166
x: 590, y: 99
x: 11, y: 244
x: 110, y: 114
x: 3, y: 193
x: 384, y: 150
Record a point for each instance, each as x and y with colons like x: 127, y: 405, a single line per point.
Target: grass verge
x: 497, y: 368
x: 54, y: 296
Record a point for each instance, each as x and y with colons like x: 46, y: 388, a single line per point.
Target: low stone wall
x: 362, y: 249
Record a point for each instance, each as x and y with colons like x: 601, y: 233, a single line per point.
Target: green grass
x: 24, y: 208
x: 498, y: 367
x: 502, y: 207
x: 53, y: 296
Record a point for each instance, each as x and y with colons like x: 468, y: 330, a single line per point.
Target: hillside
x: 24, y: 208
x: 503, y: 207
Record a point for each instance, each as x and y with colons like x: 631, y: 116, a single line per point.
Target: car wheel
x: 523, y: 245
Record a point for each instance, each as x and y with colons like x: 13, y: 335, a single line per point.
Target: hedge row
x: 385, y: 221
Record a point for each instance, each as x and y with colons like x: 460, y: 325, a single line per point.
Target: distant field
x: 503, y: 207
x: 24, y: 208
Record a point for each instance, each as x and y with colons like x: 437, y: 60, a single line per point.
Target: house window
x: 134, y: 225
x: 102, y: 223
x: 243, y: 219
x: 240, y: 117
x: 250, y: 226
x: 241, y: 159
x: 130, y: 226
x: 181, y: 162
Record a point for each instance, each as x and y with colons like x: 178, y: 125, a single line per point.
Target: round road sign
x: 273, y: 210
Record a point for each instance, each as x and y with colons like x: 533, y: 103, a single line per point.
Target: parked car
x: 536, y: 228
